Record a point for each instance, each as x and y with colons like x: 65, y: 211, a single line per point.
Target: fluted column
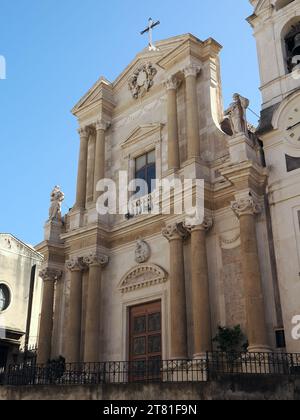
x: 82, y: 169
x: 173, y: 138
x: 90, y: 167
x: 246, y: 209
x: 200, y: 289
x: 49, y: 276
x: 175, y: 234
x: 92, y: 326
x: 101, y: 128
x: 193, y: 136
x: 73, y: 336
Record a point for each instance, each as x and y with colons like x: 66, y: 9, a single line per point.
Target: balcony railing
x: 153, y: 371
x: 141, y: 206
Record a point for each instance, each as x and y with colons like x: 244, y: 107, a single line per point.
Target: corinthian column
x: 90, y: 168
x: 200, y: 289
x: 101, y: 128
x: 82, y: 169
x: 175, y: 234
x: 193, y: 136
x: 92, y: 326
x: 173, y: 140
x: 73, y: 336
x: 246, y: 209
x: 49, y: 276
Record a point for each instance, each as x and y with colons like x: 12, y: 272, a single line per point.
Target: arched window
x: 4, y: 297
x: 292, y: 45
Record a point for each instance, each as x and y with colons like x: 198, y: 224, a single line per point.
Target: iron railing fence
x: 254, y: 363
x: 153, y: 371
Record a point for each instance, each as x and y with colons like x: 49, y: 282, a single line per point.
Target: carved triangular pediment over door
x: 142, y: 132
x: 141, y: 276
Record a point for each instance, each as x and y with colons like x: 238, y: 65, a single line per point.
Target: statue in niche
x: 57, y: 197
x: 236, y: 114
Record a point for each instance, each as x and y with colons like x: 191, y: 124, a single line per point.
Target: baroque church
x: 145, y: 286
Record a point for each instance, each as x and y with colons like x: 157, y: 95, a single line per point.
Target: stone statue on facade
x: 57, y: 197
x: 236, y: 114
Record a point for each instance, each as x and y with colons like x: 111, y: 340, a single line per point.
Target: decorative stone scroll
x: 144, y: 275
x: 142, y: 80
x: 244, y: 206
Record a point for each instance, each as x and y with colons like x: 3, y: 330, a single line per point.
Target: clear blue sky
x: 55, y: 51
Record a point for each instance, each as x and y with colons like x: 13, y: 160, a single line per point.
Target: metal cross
x: 151, y: 25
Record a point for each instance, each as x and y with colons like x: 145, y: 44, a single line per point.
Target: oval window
x: 4, y: 297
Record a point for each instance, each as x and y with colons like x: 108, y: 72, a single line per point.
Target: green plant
x: 230, y: 340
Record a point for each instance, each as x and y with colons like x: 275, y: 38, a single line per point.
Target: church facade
x: 141, y: 285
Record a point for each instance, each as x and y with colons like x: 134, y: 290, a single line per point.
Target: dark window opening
x: 145, y: 169
x: 292, y: 163
x: 292, y: 43
x: 280, y: 339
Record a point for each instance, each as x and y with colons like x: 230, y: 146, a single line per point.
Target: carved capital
x: 76, y: 264
x: 172, y: 83
x: 102, y: 125
x: 175, y: 231
x: 84, y: 132
x: 51, y: 274
x: 205, y: 226
x: 246, y: 206
x: 192, y: 70
x: 96, y: 259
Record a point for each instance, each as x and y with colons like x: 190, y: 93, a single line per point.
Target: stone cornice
x: 247, y: 175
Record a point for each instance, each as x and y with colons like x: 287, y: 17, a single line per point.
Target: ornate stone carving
x: 236, y: 114
x: 246, y: 205
x: 84, y: 132
x: 76, y: 264
x: 191, y: 70
x: 206, y: 225
x: 230, y: 240
x: 142, y: 251
x: 144, y: 275
x: 102, y: 125
x: 51, y: 274
x: 57, y: 197
x: 172, y: 83
x: 96, y: 259
x: 175, y: 231
x: 142, y: 80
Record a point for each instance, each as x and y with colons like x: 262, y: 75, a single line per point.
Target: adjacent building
x: 276, y: 27
x: 20, y: 297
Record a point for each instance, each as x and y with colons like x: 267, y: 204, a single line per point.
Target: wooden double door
x: 145, y: 342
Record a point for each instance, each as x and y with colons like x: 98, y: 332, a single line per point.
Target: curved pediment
x: 143, y: 275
